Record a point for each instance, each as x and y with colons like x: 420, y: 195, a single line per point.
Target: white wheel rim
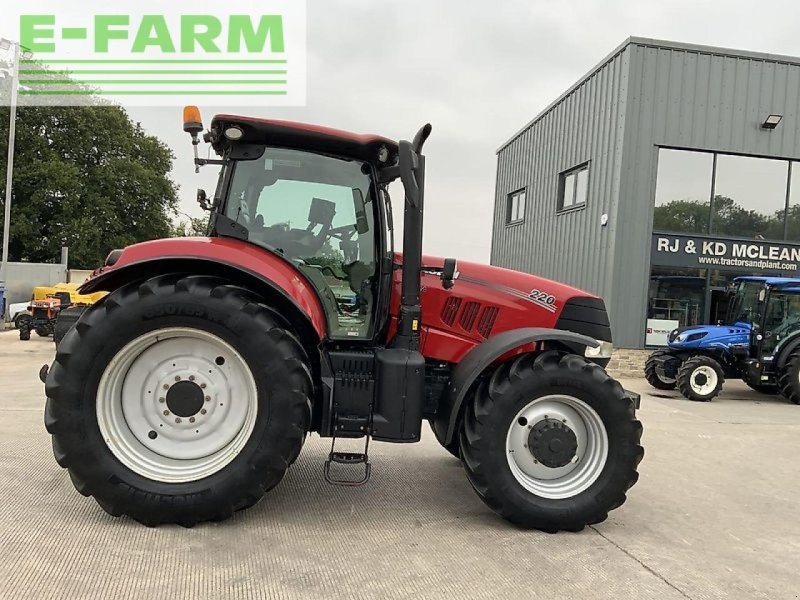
x: 703, y: 380
x: 585, y: 466
x: 137, y: 402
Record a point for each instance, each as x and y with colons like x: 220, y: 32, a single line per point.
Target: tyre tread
x: 480, y: 425
x: 292, y: 414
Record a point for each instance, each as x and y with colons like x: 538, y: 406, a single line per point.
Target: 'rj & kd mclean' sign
x: 674, y: 250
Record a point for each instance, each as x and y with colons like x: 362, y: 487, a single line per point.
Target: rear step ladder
x: 348, y: 458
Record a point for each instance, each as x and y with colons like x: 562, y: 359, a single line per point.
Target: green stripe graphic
x: 156, y: 61
x: 153, y: 92
x: 152, y: 81
x: 150, y: 72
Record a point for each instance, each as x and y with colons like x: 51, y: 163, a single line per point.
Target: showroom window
x: 749, y: 197
x: 573, y: 187
x: 728, y: 195
x: 793, y: 210
x: 515, y: 207
x: 677, y: 295
x: 683, y: 191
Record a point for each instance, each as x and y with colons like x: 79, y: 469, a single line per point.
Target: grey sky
x: 478, y: 71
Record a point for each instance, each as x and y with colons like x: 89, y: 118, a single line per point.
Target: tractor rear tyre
x: 658, y: 381
x: 65, y: 321
x: 700, y: 378
x: 789, y: 377
x: 178, y: 400
x: 551, y: 442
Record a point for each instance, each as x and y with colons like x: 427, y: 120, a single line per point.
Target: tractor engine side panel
x: 487, y: 300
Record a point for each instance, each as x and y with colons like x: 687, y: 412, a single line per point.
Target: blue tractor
x: 758, y: 343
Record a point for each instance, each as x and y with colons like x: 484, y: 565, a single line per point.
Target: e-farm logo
x: 236, y: 52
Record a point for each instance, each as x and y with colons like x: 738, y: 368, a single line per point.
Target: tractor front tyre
x: 700, y: 378
x: 25, y: 331
x: 43, y: 331
x: 551, y: 442
x: 654, y: 372
x: 789, y: 378
x: 178, y: 400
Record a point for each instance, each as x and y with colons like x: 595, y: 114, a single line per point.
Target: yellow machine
x: 44, y: 291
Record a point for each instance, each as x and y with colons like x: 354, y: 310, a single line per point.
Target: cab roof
x: 304, y: 136
x: 769, y: 280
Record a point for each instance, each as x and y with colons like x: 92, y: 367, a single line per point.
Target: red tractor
x: 186, y: 393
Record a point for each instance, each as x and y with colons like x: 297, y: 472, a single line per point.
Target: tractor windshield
x: 745, y: 306
x: 319, y: 212
x: 782, y: 320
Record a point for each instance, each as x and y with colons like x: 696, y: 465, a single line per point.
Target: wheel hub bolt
x: 191, y: 419
x: 166, y: 386
x: 177, y: 377
x: 191, y: 377
x: 203, y: 411
x: 177, y: 419
x: 208, y: 398
x: 166, y: 412
x: 162, y: 399
x: 202, y: 386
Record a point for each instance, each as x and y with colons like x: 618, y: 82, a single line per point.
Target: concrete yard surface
x: 714, y: 515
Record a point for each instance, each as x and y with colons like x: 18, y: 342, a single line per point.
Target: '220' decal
x: 543, y: 299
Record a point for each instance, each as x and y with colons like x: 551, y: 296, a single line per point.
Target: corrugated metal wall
x: 587, y: 124
x: 649, y: 93
x: 696, y: 98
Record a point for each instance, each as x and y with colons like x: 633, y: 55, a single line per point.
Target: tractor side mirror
x: 449, y: 273
x: 362, y: 224
x: 202, y: 199
x: 321, y: 211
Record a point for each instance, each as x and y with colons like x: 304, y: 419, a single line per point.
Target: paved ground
x: 715, y: 515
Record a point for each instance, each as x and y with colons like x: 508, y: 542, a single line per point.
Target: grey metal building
x: 654, y: 180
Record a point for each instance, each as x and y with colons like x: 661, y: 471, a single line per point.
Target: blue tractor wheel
x: 654, y: 371
x: 700, y: 378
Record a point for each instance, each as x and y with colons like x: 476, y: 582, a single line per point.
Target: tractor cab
x: 775, y: 331
x: 322, y: 213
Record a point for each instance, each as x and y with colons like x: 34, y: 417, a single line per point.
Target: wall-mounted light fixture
x: 771, y: 122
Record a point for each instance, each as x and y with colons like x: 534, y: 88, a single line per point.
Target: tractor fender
x: 289, y: 294
x: 482, y: 356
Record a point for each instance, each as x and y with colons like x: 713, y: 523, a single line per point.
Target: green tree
x: 193, y: 227
x: 86, y: 177
x: 690, y: 216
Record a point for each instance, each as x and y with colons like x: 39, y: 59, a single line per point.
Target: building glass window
x: 683, y: 191
x: 749, y: 197
x: 515, y: 207
x: 793, y: 210
x: 573, y: 187
x: 677, y: 294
